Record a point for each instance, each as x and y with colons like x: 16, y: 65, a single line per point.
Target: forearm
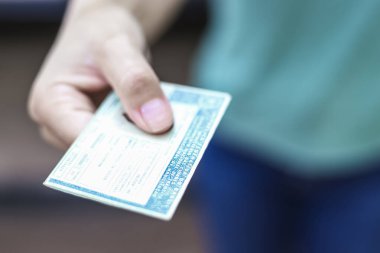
x: 152, y: 16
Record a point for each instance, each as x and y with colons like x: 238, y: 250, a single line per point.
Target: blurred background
x: 34, y: 218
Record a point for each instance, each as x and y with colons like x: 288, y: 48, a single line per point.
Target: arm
x: 101, y: 46
x: 153, y: 16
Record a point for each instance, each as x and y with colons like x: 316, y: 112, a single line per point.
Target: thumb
x: 136, y: 84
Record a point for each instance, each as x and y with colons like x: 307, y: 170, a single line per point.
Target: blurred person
x: 294, y: 167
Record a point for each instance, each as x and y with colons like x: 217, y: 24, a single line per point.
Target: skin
x: 102, y: 45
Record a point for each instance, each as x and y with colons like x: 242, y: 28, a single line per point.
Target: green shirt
x: 304, y: 76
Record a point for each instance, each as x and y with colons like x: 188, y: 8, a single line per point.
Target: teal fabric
x: 304, y: 76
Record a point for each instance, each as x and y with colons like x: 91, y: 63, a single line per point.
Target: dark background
x: 36, y: 219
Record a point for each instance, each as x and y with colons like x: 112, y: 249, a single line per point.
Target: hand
x: 96, y: 50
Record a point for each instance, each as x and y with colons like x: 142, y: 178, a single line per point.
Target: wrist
x: 101, y: 20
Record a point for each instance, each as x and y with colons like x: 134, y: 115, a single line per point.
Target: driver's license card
x: 115, y: 163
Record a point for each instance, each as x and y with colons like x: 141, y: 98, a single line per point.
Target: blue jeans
x: 246, y: 206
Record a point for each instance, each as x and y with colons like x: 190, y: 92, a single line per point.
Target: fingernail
x: 157, y: 115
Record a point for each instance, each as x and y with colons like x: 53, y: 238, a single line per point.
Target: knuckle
x: 137, y: 82
x: 109, y: 46
x: 39, y: 105
x: 34, y: 108
x: 105, y: 48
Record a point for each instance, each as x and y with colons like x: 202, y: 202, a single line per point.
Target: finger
x: 63, y: 110
x: 52, y: 139
x: 136, y: 84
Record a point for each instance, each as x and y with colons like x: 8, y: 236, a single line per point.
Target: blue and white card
x: 115, y: 163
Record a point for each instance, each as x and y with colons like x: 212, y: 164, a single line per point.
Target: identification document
x: 115, y: 163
